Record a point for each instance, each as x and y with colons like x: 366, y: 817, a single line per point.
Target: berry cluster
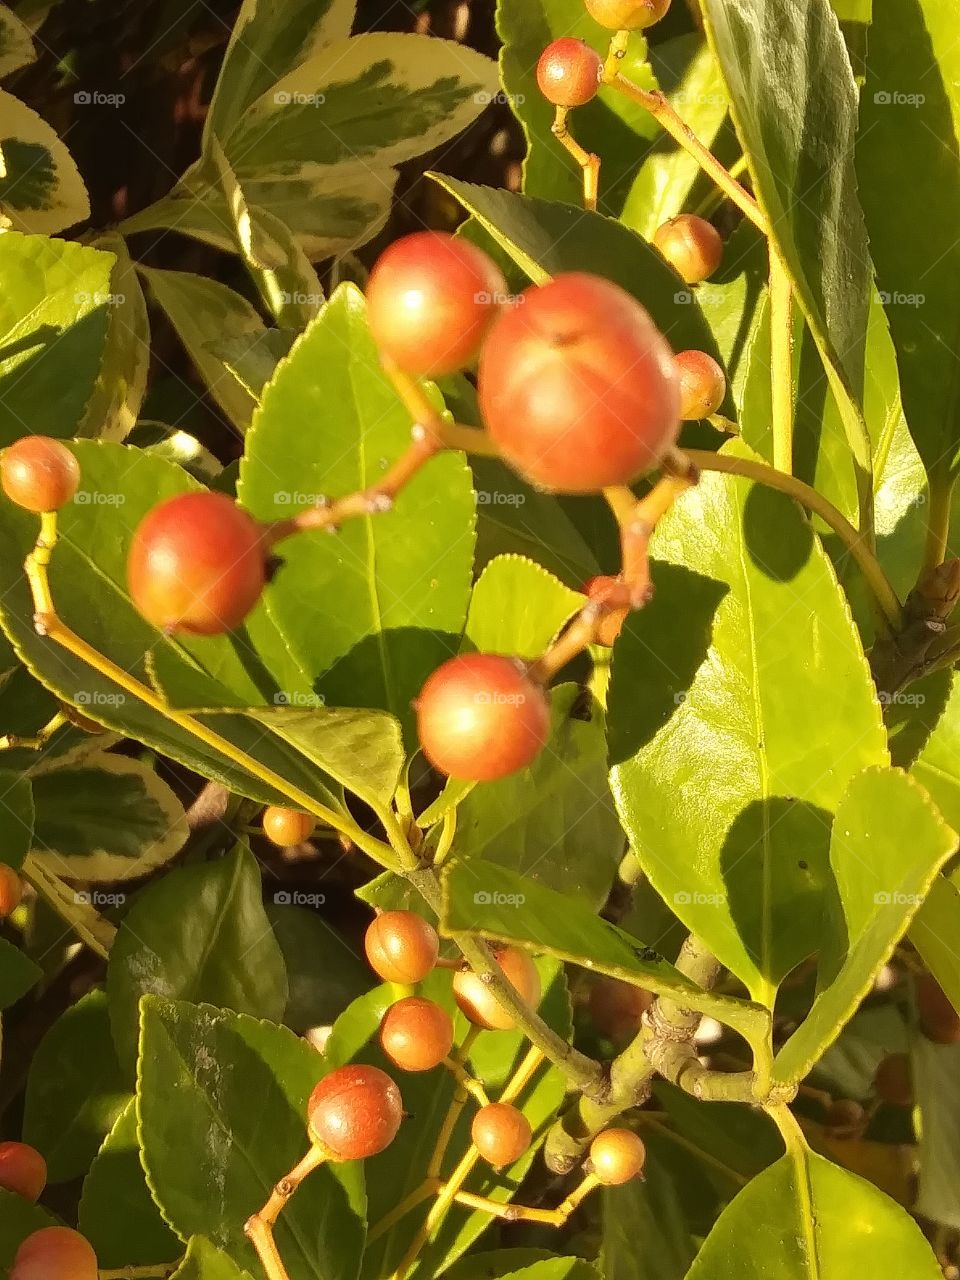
x: 52, y: 1253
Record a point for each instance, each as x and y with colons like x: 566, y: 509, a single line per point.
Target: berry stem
x: 40, y: 739
x: 661, y: 110
x: 259, y: 1227
x: 510, y: 1212
x: 456, y: 1064
x: 466, y: 1082
x: 615, y: 55
x: 781, y: 360
x: 588, y: 162
x: 429, y: 1187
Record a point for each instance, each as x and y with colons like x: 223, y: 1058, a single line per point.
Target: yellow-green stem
x: 781, y: 361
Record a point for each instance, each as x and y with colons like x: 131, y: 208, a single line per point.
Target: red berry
x: 430, y: 300
x: 568, y: 72
x: 627, y: 15
x: 197, y: 564
x: 480, y: 717
x: 616, y: 1155
x: 355, y: 1112
x: 22, y: 1170
x: 39, y: 474
x: 287, y: 827
x: 11, y: 891
x: 616, y: 1008
x: 703, y: 385
x: 401, y: 946
x: 501, y: 1133
x: 55, y: 1253
x: 612, y: 620
x: 416, y: 1034
x: 893, y: 1082
x: 939, y: 1020
x: 577, y: 386
x: 691, y: 245
x: 477, y: 1001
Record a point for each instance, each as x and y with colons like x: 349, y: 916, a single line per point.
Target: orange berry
x: 627, y: 15
x: 616, y: 1155
x: 11, y: 891
x: 55, y: 1253
x: 893, y: 1082
x: 355, y: 1112
x: 477, y: 1001
x: 287, y: 827
x: 703, y: 385
x: 568, y: 72
x: 22, y: 1170
x: 501, y: 1133
x: 416, y: 1034
x: 401, y: 946
x: 39, y: 474
x: 691, y: 245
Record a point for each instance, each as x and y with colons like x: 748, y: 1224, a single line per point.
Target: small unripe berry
x: 11, y: 891
x: 893, y: 1082
x: 568, y: 72
x: 401, y: 946
x: 481, y: 717
x: 355, y: 1112
x: 845, y: 1113
x: 477, y: 1001
x: 691, y: 245
x: 577, y: 386
x: 55, y: 1253
x: 22, y: 1170
x: 416, y: 1034
x: 287, y: 827
x: 627, y: 15
x: 617, y: 1007
x: 703, y: 385
x: 39, y: 474
x: 197, y: 564
x: 616, y: 1156
x: 431, y: 298
x: 939, y: 1021
x: 612, y: 620
x: 501, y: 1133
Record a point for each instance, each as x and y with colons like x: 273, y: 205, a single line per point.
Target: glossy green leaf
x: 111, y: 818
x: 17, y: 818
x: 937, y: 765
x: 817, y: 1221
x: 117, y: 1214
x: 887, y: 846
x: 505, y: 1264
x: 740, y: 707
x: 212, y: 1157
x: 736, y: 1141
x: 909, y: 142
x: 75, y: 1089
x: 114, y: 406
x: 19, y: 1218
x: 53, y: 327
x: 202, y: 310
x: 324, y: 972
x: 801, y: 139
x: 198, y: 934
x: 204, y: 1261
x: 18, y: 974
x: 646, y: 1235
x: 253, y: 360
x: 16, y: 45
x: 497, y: 903
x: 375, y: 608
x: 517, y: 607
x: 936, y: 1090
x: 41, y: 189
x: 934, y: 933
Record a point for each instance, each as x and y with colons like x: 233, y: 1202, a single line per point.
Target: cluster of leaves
x: 797, y: 822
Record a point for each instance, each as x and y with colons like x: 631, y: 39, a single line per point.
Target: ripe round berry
x: 703, y: 385
x: 893, y: 1082
x: 416, y: 1034
x: 612, y: 620
x: 476, y: 1000
x: 401, y: 946
x: 568, y: 72
x: 501, y: 1133
x: 355, y: 1112
x: 287, y: 827
x: 627, y: 15
x: 39, y: 474
x: 939, y: 1021
x: 691, y: 245
x: 55, y: 1253
x: 480, y: 717
x: 11, y: 891
x: 430, y: 300
x: 196, y: 564
x: 22, y: 1170
x: 577, y: 386
x: 617, y: 1007
x: 617, y: 1155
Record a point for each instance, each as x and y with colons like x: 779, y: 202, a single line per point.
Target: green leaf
x: 198, y: 934
x: 554, y: 820
x: 646, y: 1235
x: 802, y: 142
x: 253, y: 360
x: 205, y: 1262
x: 380, y: 604
x: 740, y: 707
x: 506, y: 1264
x: 111, y: 818
x: 887, y: 846
x: 19, y: 1218
x: 936, y: 1088
x: 518, y: 608
x: 117, y: 1214
x: 268, y: 40
x: 544, y: 238
x: 212, y: 1157
x: 16, y: 45
x: 497, y: 903
x: 41, y: 189
x: 18, y: 974
x: 324, y: 973
x: 818, y: 1221
x: 732, y: 302
x: 202, y: 310
x: 934, y: 933
x: 75, y: 1089
x: 17, y: 817
x: 53, y: 327
x: 909, y: 142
